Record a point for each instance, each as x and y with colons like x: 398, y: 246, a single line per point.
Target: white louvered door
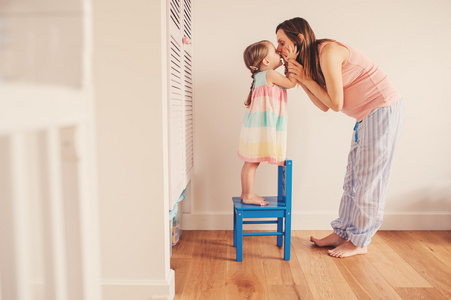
x: 180, y: 91
x: 188, y: 89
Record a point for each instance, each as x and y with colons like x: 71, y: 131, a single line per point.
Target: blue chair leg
x: 287, y: 237
x: 234, y: 226
x: 280, y: 229
x: 239, y: 237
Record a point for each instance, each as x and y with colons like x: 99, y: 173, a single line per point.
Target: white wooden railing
x: 48, y: 203
x: 48, y: 199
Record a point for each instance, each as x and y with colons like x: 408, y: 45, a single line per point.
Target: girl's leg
x: 247, y: 185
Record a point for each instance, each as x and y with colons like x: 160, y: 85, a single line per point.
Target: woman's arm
x: 332, y: 59
x: 314, y: 100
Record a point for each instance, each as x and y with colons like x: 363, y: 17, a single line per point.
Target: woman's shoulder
x: 331, y: 45
x: 331, y: 48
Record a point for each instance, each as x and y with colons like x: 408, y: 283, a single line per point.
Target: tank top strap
x: 324, y: 44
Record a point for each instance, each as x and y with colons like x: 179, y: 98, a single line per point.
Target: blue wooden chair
x: 278, y: 207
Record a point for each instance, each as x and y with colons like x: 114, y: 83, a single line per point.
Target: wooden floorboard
x: 325, y: 281
x: 365, y: 280
x: 420, y: 293
x: 399, y: 265
x: 399, y: 274
x: 245, y: 280
x: 420, y: 255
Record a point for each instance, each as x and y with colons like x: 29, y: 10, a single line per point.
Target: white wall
x: 409, y: 40
x: 129, y: 73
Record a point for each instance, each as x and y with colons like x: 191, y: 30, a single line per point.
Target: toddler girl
x: 264, y: 131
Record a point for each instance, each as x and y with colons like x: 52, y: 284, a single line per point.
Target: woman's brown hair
x: 308, y: 50
x: 253, y: 58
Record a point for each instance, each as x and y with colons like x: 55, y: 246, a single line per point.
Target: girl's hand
x: 291, y: 53
x: 297, y: 70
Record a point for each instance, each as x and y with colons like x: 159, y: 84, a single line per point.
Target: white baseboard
x: 417, y: 221
x: 321, y: 221
x: 139, y: 289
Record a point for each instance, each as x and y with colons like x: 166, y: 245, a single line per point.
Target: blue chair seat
x: 278, y: 208
x: 273, y: 203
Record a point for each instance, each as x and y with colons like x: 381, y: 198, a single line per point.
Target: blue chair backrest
x: 284, y: 190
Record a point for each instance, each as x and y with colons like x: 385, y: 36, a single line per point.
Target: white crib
x: 48, y: 198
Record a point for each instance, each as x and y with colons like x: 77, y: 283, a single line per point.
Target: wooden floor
x: 399, y: 265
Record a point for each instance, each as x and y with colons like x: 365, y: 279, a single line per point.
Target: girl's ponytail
x: 253, y: 57
x: 249, y: 97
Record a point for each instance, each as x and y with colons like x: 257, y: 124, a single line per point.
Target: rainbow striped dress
x: 264, y: 131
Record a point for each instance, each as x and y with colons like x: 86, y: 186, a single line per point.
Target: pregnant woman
x: 338, y: 77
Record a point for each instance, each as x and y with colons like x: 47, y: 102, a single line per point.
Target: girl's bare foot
x: 332, y: 240
x: 254, y: 195
x: 254, y: 199
x: 347, y: 249
x: 261, y: 198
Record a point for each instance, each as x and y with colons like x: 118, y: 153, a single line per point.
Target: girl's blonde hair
x: 253, y: 58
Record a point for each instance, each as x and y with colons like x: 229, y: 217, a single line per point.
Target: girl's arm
x: 332, y: 59
x: 274, y: 77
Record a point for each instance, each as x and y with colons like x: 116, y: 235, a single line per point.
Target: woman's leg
x: 339, y: 236
x: 347, y: 205
x: 376, y: 143
x: 247, y: 185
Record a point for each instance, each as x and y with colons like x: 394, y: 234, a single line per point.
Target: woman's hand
x: 297, y: 70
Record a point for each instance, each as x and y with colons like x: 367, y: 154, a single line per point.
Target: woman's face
x: 283, y: 43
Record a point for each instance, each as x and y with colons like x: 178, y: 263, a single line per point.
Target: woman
x: 338, y: 77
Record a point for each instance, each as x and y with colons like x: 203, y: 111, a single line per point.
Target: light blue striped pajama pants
x: 367, y: 174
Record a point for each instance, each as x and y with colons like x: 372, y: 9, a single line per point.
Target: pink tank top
x: 365, y: 86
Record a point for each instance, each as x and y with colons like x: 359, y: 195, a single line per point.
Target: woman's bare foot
x: 332, y: 240
x: 347, y: 249
x: 254, y: 199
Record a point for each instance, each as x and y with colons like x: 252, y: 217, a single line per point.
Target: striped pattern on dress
x: 264, y: 131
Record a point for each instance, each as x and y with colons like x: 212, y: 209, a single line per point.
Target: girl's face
x: 283, y: 43
x: 273, y: 57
